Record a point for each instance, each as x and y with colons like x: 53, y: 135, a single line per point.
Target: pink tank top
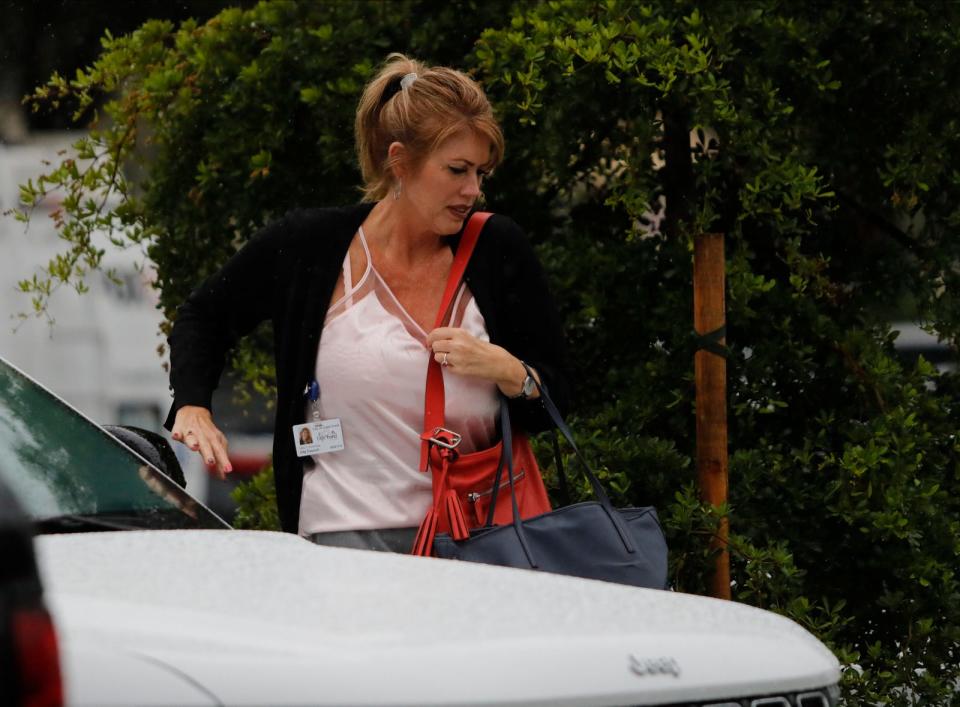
x: 372, y: 368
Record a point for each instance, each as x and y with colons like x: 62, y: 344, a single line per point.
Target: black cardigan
x: 287, y: 274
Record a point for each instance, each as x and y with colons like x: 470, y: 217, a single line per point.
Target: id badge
x: 318, y: 437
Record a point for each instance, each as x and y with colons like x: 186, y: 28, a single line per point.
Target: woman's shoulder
x: 305, y: 229
x: 503, y: 227
x: 314, y: 221
x: 501, y: 235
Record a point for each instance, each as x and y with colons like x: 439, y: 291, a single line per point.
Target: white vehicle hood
x: 246, y: 618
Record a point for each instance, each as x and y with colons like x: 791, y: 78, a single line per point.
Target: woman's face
x: 442, y: 192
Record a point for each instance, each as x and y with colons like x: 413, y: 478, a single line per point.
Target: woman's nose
x: 471, y: 186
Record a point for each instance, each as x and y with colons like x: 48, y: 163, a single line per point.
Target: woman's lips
x: 460, y: 211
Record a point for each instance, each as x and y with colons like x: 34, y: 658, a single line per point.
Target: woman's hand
x: 466, y: 355
x: 194, y: 427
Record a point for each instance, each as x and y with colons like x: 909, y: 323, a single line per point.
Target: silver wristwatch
x: 528, y: 386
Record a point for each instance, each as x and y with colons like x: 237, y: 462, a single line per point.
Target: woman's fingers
x: 213, y: 448
x: 441, y: 333
x: 461, y: 352
x: 446, y: 341
x: 222, y: 459
x: 206, y: 451
x: 214, y: 454
x: 180, y: 431
x: 194, y: 427
x: 464, y: 354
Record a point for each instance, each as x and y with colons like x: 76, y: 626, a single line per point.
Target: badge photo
x: 318, y: 437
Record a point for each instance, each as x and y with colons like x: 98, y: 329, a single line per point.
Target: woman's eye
x: 458, y: 170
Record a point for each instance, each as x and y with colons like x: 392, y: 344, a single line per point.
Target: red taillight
x: 38, y: 661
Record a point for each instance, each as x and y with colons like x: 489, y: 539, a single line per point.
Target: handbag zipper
x: 474, y: 495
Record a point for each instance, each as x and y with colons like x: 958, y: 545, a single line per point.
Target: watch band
x: 528, y: 385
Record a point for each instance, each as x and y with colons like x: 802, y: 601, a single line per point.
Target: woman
x: 369, y: 278
x: 306, y: 437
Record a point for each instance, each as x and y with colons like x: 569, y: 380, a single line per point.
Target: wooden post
x: 709, y: 315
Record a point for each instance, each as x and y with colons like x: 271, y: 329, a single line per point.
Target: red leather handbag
x: 463, y: 484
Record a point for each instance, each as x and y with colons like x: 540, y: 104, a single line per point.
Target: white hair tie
x: 407, y: 81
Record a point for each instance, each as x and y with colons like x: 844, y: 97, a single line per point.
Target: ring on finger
x: 444, y: 361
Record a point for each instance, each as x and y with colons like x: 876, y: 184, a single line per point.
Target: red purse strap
x: 434, y: 398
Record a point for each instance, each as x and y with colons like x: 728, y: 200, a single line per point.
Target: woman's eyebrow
x: 463, y: 159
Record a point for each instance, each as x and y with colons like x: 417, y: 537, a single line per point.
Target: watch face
x: 528, y: 386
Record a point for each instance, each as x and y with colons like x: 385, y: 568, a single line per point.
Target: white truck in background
x: 100, y: 350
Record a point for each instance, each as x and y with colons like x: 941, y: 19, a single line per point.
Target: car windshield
x: 69, y: 474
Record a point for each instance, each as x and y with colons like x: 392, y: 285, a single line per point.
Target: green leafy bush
x: 256, y: 501
x: 844, y: 466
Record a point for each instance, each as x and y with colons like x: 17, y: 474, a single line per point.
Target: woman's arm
x: 531, y: 326
x: 522, y: 320
x: 226, y: 306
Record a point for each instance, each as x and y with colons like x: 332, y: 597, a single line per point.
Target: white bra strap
x: 348, y: 285
x: 347, y: 273
x: 363, y: 242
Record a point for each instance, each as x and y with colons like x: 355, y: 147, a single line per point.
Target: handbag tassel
x: 423, y: 544
x: 455, y: 518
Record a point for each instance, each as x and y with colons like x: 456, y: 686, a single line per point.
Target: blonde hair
x: 419, y: 113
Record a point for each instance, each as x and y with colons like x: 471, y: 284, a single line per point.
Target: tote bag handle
x: 506, y: 459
